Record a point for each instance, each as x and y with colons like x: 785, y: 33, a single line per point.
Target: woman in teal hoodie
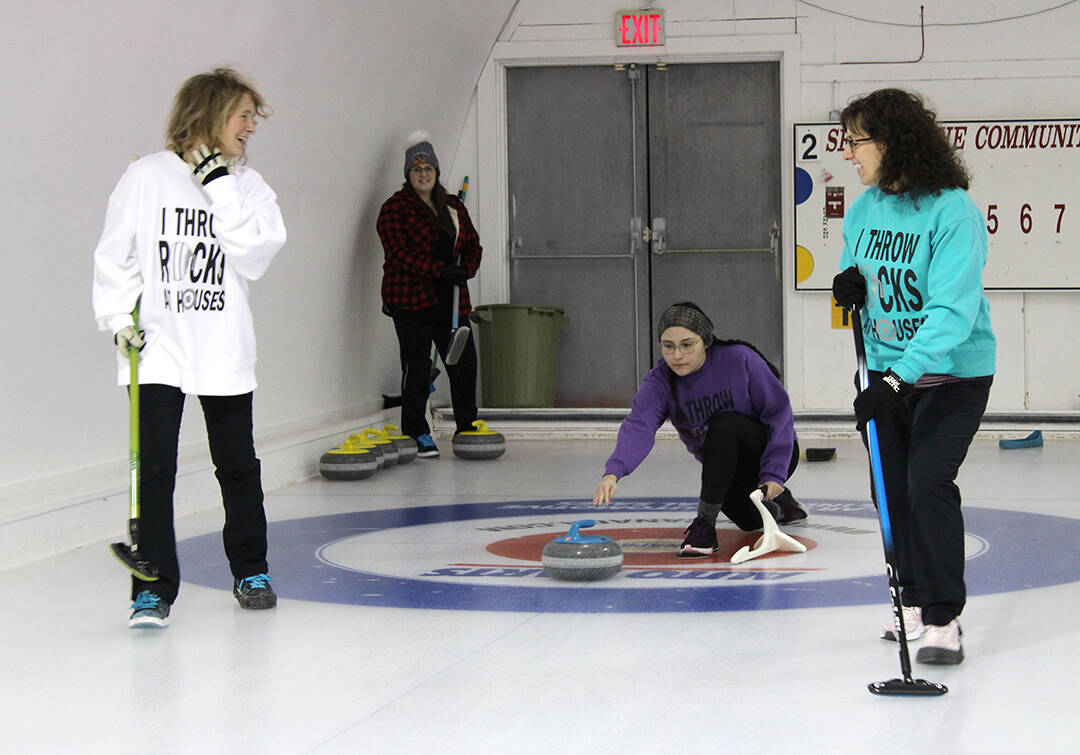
x: 914, y: 252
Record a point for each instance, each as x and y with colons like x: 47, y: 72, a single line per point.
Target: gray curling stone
x: 480, y: 443
x: 405, y: 445
x: 580, y: 557
x: 372, y: 437
x: 355, y: 441
x: 349, y: 461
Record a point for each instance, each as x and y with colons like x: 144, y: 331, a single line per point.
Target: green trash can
x: 517, y: 346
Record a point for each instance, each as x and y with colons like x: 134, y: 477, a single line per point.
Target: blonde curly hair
x: 203, y: 106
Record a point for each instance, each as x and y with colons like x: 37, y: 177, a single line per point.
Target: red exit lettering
x: 639, y: 29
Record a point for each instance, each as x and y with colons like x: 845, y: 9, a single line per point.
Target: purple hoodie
x: 734, y: 378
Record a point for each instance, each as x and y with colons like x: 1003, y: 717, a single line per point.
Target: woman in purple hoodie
x: 730, y: 409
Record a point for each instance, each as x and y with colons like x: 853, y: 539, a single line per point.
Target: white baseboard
x: 47, y: 516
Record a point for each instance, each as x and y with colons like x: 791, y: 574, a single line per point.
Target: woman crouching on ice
x: 744, y: 440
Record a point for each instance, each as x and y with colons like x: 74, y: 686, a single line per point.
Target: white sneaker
x: 942, y: 645
x: 913, y: 626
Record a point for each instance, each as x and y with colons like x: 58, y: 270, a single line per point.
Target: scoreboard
x: 1025, y: 176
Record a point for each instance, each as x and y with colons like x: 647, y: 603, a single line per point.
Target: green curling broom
x: 129, y: 555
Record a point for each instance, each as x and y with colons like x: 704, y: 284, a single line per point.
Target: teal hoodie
x: 923, y: 260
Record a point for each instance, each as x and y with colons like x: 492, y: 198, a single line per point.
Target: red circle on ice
x: 645, y: 546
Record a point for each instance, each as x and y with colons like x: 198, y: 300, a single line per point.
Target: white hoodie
x: 189, y: 252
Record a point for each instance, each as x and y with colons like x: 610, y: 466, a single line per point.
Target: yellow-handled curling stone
x: 377, y: 438
x: 580, y: 557
x: 352, y: 460
x: 480, y: 443
x: 406, y: 446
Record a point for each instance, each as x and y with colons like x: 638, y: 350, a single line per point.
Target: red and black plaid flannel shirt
x: 409, y: 238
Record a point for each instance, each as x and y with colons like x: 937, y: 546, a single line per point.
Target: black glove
x: 880, y: 398
x: 849, y: 288
x: 455, y: 275
x: 207, y: 164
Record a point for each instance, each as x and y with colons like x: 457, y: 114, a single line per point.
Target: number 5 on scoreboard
x: 991, y: 218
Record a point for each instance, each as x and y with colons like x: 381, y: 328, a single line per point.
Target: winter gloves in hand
x: 454, y: 274
x: 849, y: 288
x: 128, y: 338
x: 207, y: 164
x: 880, y: 398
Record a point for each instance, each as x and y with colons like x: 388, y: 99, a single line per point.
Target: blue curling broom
x: 905, y: 685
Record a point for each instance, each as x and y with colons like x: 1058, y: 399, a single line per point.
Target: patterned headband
x: 692, y: 319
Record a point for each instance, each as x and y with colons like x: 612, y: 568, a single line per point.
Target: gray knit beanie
x: 689, y: 316
x: 419, y: 151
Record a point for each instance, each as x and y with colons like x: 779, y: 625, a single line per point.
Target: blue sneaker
x: 149, y: 611
x: 425, y: 447
x: 254, y: 592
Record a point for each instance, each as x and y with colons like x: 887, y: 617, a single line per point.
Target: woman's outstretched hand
x: 605, y: 491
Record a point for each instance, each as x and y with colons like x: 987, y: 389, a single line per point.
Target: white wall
x: 1022, y: 68
x: 86, y: 85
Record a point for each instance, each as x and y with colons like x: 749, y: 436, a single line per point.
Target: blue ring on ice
x: 1007, y: 562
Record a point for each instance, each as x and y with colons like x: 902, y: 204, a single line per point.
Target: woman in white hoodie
x: 186, y: 229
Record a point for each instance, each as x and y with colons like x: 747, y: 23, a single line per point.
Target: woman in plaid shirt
x: 429, y: 246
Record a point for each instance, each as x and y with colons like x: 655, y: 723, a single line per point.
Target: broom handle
x: 457, y: 293
x: 878, y: 476
x: 460, y: 195
x: 133, y: 423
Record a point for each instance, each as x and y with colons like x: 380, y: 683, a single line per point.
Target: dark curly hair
x: 917, y: 158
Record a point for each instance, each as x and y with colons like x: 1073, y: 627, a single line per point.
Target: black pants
x: 731, y: 468
x: 416, y: 330
x: 232, y: 449
x: 923, y: 443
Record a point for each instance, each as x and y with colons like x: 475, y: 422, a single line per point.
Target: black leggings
x: 731, y: 466
x: 923, y: 443
x: 416, y: 331
x: 232, y: 450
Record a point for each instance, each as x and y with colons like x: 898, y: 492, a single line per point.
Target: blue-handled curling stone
x: 582, y: 557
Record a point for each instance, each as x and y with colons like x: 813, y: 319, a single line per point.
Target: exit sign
x: 639, y: 28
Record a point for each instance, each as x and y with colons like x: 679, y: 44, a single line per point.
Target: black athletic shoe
x: 426, y: 448
x: 700, y: 539
x: 254, y: 592
x: 789, y: 509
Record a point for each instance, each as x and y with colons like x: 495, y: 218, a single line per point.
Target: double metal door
x: 634, y: 187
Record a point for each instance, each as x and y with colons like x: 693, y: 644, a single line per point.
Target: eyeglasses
x: 683, y: 347
x: 855, y: 142
x: 422, y: 169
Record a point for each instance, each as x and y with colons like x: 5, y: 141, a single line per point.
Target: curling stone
x: 349, y: 461
x: 480, y: 443
x: 375, y: 438
x: 580, y: 557
x: 405, y: 445
x: 358, y: 441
